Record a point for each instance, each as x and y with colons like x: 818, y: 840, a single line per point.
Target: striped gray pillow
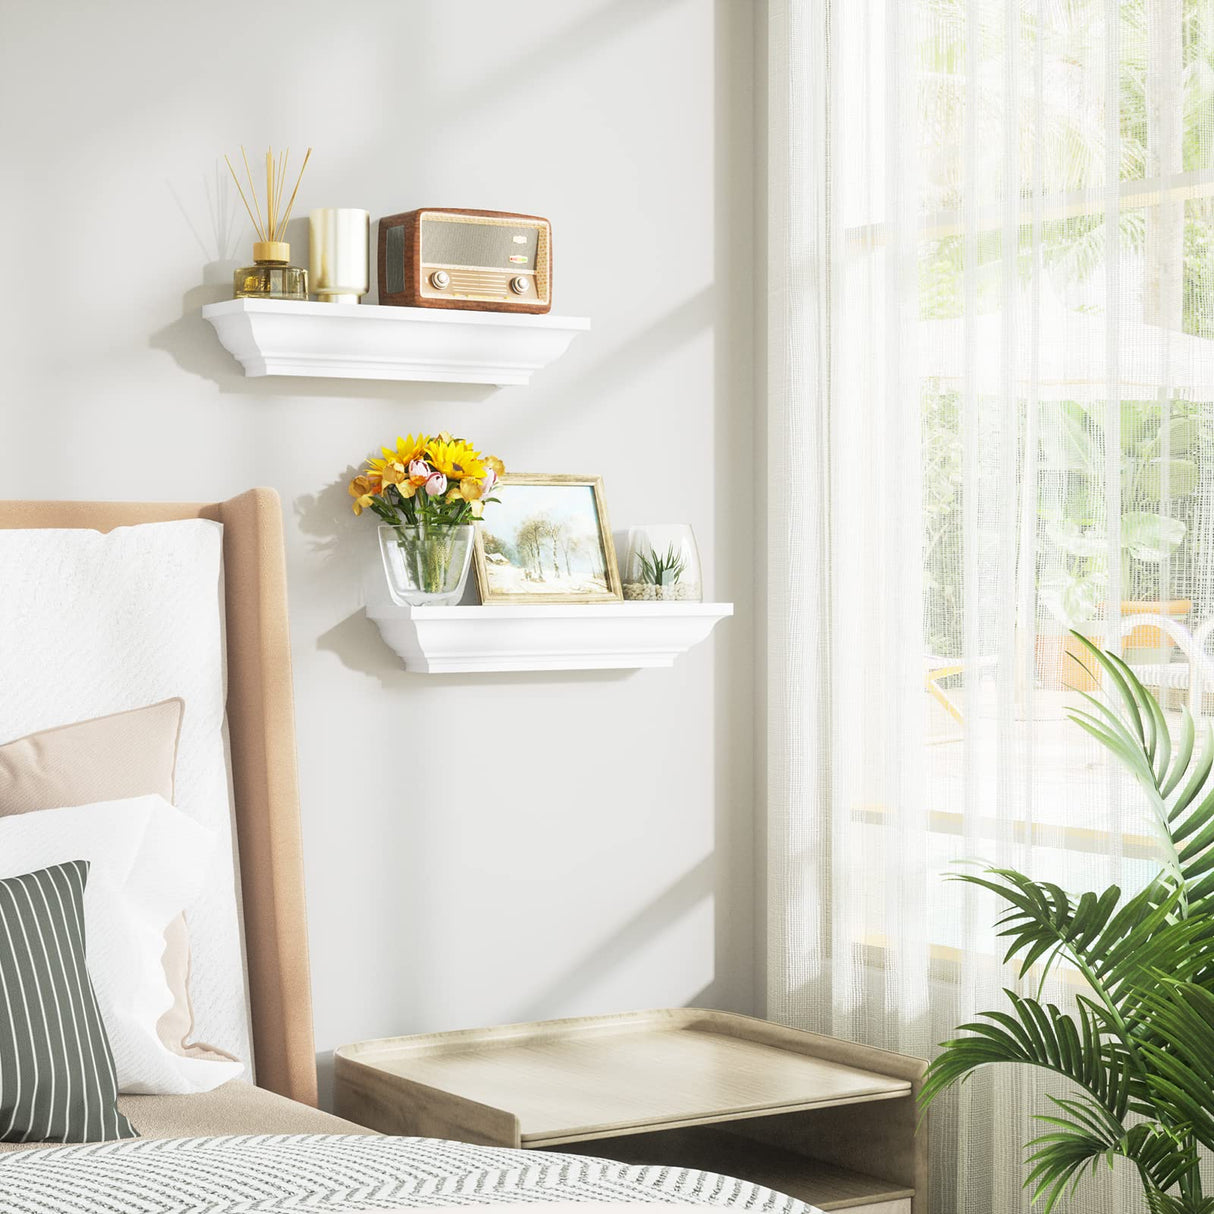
x: 57, y: 1077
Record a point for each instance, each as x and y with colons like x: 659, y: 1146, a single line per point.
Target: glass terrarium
x: 663, y: 564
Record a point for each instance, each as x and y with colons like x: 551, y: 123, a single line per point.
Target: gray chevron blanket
x: 332, y: 1172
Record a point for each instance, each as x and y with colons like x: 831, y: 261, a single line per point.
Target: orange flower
x: 362, y: 489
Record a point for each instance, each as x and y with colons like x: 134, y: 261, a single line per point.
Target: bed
x: 264, y: 1145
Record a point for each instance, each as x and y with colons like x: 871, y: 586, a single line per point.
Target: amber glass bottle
x: 271, y: 276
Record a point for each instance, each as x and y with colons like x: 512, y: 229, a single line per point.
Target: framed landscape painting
x: 547, y: 540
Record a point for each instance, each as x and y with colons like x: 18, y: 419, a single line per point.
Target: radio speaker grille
x: 473, y: 244
x: 394, y: 260
x: 480, y: 282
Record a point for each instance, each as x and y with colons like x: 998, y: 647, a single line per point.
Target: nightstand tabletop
x: 567, y: 1080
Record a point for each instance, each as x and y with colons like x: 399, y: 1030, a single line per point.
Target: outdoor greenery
x: 1159, y: 476
x: 1165, y: 445
x: 1139, y: 1046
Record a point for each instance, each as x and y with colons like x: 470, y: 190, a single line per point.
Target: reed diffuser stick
x: 282, y: 176
x: 252, y: 215
x: 291, y: 204
x: 253, y: 191
x: 270, y: 221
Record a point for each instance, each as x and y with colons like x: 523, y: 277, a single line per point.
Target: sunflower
x: 407, y: 449
x: 455, y: 458
x: 392, y: 467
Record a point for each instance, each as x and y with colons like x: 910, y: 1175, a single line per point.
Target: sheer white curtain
x: 991, y: 419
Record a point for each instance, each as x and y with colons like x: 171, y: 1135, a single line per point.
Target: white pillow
x: 147, y: 862
x: 94, y: 623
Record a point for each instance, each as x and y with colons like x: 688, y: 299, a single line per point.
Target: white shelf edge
x: 369, y: 341
x: 595, y: 636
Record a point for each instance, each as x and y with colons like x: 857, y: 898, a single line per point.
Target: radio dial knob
x: 519, y: 285
x: 440, y: 280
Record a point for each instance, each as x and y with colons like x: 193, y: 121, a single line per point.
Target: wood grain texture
x: 261, y: 726
x: 801, y: 1109
x: 413, y: 297
x: 717, y: 1149
x: 261, y: 730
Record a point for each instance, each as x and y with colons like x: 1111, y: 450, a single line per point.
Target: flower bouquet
x: 427, y: 492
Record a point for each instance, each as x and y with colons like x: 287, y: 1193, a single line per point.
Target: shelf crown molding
x: 367, y: 341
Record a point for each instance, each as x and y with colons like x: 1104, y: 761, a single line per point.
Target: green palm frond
x: 1139, y: 1045
x: 1060, y: 1158
x: 1179, y: 791
x: 1181, y: 1054
x: 1165, y: 1203
x: 1099, y: 934
x: 1040, y: 1036
x: 1084, y: 1137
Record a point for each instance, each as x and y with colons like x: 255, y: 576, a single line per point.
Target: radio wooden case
x: 487, y: 261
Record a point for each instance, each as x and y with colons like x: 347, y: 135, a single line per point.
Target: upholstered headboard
x: 261, y: 726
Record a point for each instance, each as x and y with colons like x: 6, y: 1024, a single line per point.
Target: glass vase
x: 663, y: 564
x: 426, y: 565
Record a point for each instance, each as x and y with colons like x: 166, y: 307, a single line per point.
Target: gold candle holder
x: 339, y: 244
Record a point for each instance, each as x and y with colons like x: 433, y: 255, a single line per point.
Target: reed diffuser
x: 271, y: 276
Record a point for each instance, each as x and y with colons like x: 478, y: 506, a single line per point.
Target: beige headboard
x: 261, y: 725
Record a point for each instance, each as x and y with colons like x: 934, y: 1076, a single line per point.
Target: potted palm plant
x: 1138, y: 1048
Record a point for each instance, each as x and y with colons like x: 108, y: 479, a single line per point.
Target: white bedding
x: 332, y: 1172
x: 92, y: 624
x: 147, y: 862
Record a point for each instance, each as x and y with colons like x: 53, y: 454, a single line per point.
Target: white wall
x: 479, y: 849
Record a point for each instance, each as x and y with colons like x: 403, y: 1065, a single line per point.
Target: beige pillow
x: 127, y: 754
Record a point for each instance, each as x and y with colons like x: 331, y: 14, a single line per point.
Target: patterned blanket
x: 249, y: 1174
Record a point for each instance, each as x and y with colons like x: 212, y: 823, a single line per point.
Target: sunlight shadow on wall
x: 600, y: 383
x: 548, y: 54
x: 696, y: 885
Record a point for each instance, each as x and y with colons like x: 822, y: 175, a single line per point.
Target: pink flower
x: 419, y: 467
x: 436, y: 484
x: 487, y: 482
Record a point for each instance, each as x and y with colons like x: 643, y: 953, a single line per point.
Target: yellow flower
x: 362, y: 489
x: 464, y: 467
x: 408, y: 449
x: 398, y: 461
x: 455, y: 459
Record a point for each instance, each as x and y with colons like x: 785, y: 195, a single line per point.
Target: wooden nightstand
x: 827, y: 1121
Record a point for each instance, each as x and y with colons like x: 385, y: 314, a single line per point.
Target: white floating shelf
x: 367, y: 341
x: 597, y: 636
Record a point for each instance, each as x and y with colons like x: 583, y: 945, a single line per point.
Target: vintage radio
x: 484, y: 260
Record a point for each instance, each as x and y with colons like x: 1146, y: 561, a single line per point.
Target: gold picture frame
x: 570, y: 560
